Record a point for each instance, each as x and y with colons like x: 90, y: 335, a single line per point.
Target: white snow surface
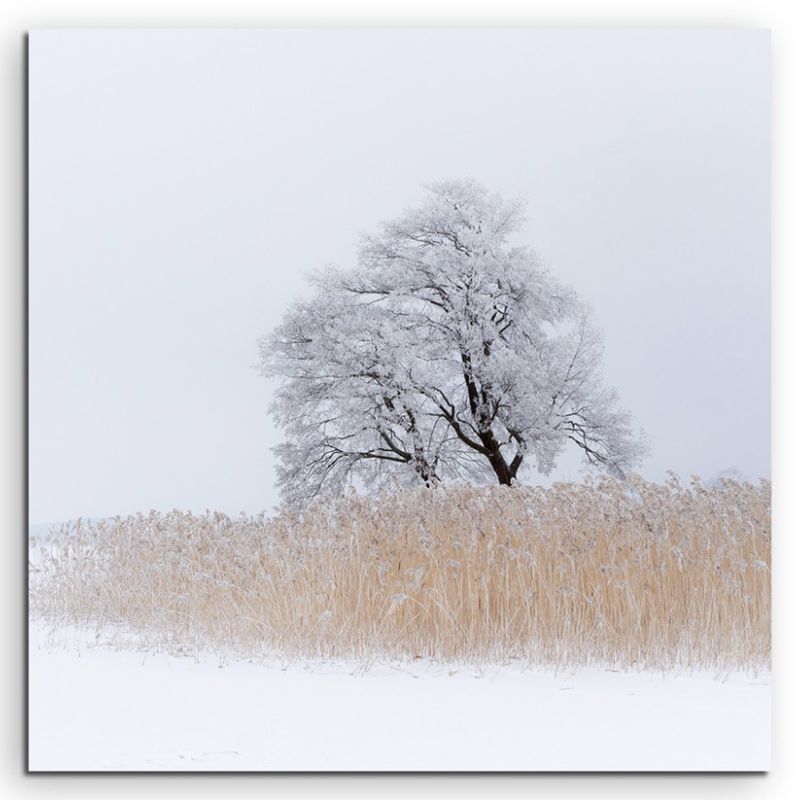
x: 94, y: 707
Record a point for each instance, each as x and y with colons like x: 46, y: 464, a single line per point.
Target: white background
x: 184, y: 183
x: 786, y: 47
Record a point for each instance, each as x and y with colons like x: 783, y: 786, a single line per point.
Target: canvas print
x: 399, y: 400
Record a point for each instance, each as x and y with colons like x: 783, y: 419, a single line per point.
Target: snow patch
x: 97, y: 708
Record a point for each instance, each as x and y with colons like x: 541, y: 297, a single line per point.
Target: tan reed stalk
x: 636, y: 573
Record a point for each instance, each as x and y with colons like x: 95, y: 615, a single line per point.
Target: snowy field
x: 93, y: 707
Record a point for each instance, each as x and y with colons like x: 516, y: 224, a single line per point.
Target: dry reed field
x: 628, y: 574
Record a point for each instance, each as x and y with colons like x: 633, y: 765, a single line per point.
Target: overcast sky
x: 182, y: 183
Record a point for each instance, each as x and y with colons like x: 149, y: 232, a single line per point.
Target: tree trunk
x: 500, y: 468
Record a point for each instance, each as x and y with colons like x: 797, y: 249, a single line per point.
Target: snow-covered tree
x: 446, y: 353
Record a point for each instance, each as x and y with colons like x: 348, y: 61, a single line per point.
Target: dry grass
x: 645, y: 574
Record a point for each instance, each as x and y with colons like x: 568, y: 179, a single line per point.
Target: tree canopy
x: 446, y: 353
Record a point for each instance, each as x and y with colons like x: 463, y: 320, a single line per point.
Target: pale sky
x: 183, y: 183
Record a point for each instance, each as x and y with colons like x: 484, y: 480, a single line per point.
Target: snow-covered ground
x: 97, y: 708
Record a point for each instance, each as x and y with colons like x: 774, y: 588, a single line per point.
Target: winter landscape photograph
x: 399, y: 400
